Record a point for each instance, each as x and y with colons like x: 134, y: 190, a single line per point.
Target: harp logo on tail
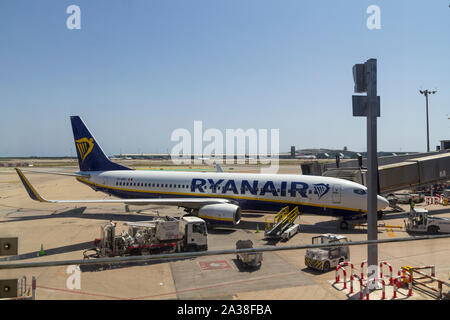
x: 84, y: 147
x: 321, y: 189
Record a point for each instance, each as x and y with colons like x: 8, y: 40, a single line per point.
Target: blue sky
x: 137, y: 70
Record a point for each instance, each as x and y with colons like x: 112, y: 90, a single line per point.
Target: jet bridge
x: 410, y: 173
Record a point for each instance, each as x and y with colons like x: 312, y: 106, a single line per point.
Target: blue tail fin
x: 90, y: 156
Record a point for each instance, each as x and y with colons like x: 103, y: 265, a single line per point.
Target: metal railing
x: 184, y: 255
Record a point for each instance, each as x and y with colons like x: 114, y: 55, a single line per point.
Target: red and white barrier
x: 348, y: 263
x: 431, y: 267
x: 361, y: 295
x: 340, y: 267
x: 383, y: 292
x: 434, y: 200
x: 397, y: 283
x: 384, y: 263
x: 361, y: 285
x: 364, y: 288
x: 362, y: 269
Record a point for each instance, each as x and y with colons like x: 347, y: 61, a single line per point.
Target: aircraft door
x: 336, y: 191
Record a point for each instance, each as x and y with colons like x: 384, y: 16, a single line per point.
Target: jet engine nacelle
x: 221, y: 213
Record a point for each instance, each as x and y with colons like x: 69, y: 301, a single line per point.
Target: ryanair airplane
x: 217, y: 197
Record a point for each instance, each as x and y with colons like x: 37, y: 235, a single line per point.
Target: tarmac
x: 65, y: 231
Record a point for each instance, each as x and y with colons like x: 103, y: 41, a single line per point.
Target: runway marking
x: 391, y: 233
x: 214, y: 265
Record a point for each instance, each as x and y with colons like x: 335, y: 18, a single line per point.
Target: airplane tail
x: 90, y: 155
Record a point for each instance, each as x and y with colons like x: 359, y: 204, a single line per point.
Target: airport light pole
x: 365, y: 77
x: 426, y: 93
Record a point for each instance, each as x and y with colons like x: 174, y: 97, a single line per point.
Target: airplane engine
x: 220, y: 214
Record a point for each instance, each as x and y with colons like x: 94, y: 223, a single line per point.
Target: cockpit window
x: 360, y: 191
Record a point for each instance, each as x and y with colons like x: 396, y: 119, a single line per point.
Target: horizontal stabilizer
x: 71, y: 174
x: 31, y: 191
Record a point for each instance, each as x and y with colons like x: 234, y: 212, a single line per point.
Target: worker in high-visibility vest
x: 411, y: 204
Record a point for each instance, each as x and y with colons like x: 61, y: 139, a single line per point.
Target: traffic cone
x: 257, y: 228
x: 41, y: 253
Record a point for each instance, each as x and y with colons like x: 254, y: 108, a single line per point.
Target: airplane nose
x: 382, y: 203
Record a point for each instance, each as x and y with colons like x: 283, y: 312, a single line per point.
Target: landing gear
x: 343, y: 225
x: 380, y: 215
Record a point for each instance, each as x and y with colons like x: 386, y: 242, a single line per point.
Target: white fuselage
x: 253, y: 192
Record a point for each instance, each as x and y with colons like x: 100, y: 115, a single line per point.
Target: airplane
x: 219, y: 197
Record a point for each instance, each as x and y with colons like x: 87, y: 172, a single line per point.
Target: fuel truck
x: 161, y: 235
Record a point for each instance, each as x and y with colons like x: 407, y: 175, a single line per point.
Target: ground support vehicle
x: 161, y: 235
x: 248, y: 259
x: 283, y: 226
x: 324, y: 259
x: 420, y: 221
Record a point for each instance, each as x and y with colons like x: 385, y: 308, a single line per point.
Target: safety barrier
x: 361, y: 285
x: 404, y: 275
x: 340, y: 267
x: 348, y: 263
x: 419, y: 275
x: 384, y: 263
x: 414, y: 269
x: 362, y: 269
x: 374, y: 281
x: 398, y: 281
x: 383, y: 288
x: 434, y: 200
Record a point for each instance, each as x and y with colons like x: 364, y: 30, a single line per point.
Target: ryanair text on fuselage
x: 252, y: 187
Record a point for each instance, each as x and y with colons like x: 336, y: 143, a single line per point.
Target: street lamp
x: 426, y: 93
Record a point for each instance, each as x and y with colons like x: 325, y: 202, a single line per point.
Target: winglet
x: 31, y: 191
x: 218, y: 168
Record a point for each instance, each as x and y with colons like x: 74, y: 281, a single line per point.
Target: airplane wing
x: 191, y: 203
